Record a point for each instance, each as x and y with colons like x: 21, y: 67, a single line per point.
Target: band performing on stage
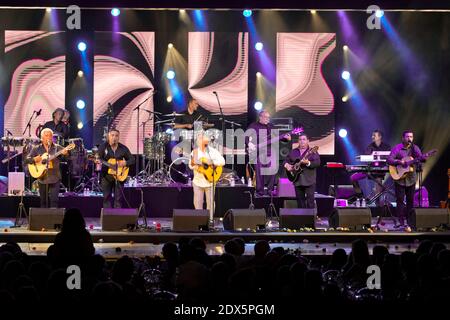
x: 205, y: 165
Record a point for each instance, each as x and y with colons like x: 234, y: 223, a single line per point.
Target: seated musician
x: 57, y: 125
x: 189, y: 116
x: 203, y: 154
x: 305, y: 185
x: 376, y: 145
x: 113, y: 149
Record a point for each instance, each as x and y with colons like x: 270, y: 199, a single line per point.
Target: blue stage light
x: 259, y: 46
x: 343, y: 133
x: 379, y: 13
x: 82, y: 46
x: 247, y: 13
x: 115, y: 12
x: 170, y: 74
x: 81, y: 104
x: 258, y: 105
x: 345, y: 75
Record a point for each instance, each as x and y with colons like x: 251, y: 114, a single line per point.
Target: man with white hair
x: 49, y: 183
x: 203, y: 153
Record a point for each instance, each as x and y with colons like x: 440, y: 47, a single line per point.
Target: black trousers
x: 112, y: 193
x: 400, y: 193
x: 305, y: 196
x: 49, y: 196
x: 262, y: 180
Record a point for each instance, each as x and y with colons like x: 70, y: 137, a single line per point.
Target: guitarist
x: 305, y: 185
x: 262, y: 157
x: 405, y: 186
x: 113, y: 149
x: 200, y: 185
x: 50, y: 181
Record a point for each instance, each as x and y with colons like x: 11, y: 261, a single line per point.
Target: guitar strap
x: 304, y: 153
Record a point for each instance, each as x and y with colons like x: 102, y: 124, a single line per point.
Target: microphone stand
x: 212, y: 194
x: 222, y: 118
x: 28, y: 126
x: 138, y: 108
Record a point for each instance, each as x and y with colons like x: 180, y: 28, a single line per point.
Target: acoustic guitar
x: 298, y: 167
x: 38, y: 170
x: 400, y: 171
x: 210, y: 172
x: 118, y: 173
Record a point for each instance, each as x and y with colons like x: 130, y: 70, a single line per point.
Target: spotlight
x: 259, y: 46
x: 169, y: 99
x: 82, y: 46
x: 170, y: 74
x: 80, y: 125
x: 80, y: 73
x: 247, y: 13
x: 343, y: 133
x: 81, y: 104
x: 170, y: 45
x: 313, y: 11
x: 345, y: 48
x: 258, y: 74
x: 344, y: 98
x: 258, y: 105
x: 115, y: 12
x: 379, y: 13
x: 182, y: 11
x: 345, y: 75
x: 48, y: 10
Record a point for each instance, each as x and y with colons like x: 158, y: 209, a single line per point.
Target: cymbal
x: 173, y: 114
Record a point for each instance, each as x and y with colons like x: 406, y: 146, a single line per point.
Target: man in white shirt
x: 206, y: 154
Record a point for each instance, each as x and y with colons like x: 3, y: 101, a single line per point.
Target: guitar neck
x: 57, y: 154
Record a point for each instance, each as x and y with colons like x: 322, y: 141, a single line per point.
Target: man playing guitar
x: 203, y: 154
x: 263, y: 157
x: 50, y: 181
x: 305, y: 184
x: 406, y: 185
x: 113, y: 149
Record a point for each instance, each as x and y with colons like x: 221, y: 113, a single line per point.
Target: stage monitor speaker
x: 243, y: 219
x: 296, y: 218
x: 424, y: 218
x: 353, y: 218
x: 45, y: 218
x: 116, y: 219
x: 342, y: 191
x: 190, y: 220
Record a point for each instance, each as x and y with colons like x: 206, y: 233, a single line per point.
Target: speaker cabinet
x: 190, y: 220
x: 243, y: 219
x: 423, y: 218
x: 296, y: 218
x: 46, y: 218
x: 116, y: 219
x: 353, y: 218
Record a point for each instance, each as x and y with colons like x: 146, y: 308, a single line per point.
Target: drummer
x: 186, y: 121
x: 57, y: 125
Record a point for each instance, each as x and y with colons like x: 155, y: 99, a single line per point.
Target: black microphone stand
x: 138, y: 108
x: 222, y: 118
x: 213, y: 193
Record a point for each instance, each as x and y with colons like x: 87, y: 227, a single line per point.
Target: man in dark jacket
x: 305, y: 185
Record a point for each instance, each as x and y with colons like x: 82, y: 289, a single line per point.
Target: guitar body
x: 399, y: 172
x: 210, y: 174
x: 119, y: 173
x: 294, y: 174
x: 38, y: 170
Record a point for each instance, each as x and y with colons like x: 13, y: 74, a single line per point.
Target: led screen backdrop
x: 34, y: 65
x: 123, y: 76
x: 301, y: 91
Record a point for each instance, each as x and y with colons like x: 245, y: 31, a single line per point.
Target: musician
x: 57, y: 125
x: 405, y: 187
x: 49, y: 183
x: 113, y: 149
x: 259, y: 149
x: 186, y: 121
x: 66, y: 117
x: 200, y: 184
x: 376, y: 145
x: 305, y: 185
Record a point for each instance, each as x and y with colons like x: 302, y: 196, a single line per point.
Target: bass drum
x: 179, y: 171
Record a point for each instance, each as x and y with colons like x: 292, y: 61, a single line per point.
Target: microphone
x: 38, y: 113
x: 8, y: 132
x: 215, y: 92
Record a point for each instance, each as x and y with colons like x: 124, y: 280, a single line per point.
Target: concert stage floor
x: 148, y: 242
